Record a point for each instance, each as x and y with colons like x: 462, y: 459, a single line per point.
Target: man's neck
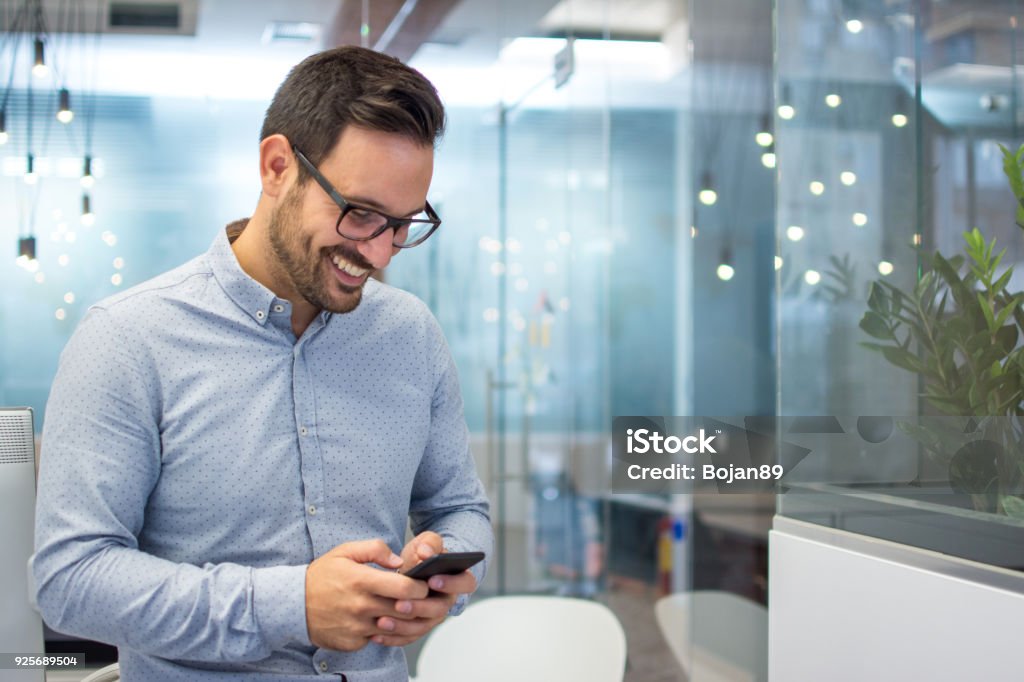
x: 251, y: 252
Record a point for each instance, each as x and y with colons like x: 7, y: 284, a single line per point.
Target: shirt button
x: 323, y: 666
x: 304, y: 431
x: 260, y: 314
x: 312, y: 510
x: 278, y: 308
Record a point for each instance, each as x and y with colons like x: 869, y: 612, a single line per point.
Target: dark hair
x: 351, y: 85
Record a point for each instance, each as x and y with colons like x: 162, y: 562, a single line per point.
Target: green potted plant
x: 959, y: 330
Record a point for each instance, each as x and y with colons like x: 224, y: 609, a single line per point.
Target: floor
x: 648, y: 657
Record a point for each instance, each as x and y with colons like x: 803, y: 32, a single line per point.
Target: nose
x: 378, y: 251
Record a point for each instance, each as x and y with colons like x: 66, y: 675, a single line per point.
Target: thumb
x: 368, y: 551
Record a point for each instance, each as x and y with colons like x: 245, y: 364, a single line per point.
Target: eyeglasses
x: 363, y: 224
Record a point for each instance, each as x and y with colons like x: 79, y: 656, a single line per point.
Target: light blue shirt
x: 196, y: 457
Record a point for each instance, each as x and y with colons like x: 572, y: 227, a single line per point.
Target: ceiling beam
x: 415, y: 24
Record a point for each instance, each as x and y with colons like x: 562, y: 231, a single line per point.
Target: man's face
x: 383, y: 171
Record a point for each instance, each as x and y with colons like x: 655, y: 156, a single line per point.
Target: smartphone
x: 444, y: 564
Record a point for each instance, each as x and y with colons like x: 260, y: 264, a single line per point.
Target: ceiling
x: 221, y: 53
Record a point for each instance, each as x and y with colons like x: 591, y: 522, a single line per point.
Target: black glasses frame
x: 346, y: 206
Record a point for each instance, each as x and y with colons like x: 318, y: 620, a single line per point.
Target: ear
x: 277, y: 165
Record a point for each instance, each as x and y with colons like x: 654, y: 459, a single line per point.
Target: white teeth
x: 347, y: 267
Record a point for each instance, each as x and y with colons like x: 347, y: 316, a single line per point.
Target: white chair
x: 515, y: 638
x: 109, y: 674
x: 716, y: 636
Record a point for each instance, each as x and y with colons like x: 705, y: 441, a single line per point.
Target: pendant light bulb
x: 30, y: 170
x: 708, y: 196
x: 26, y: 249
x: 39, y: 68
x: 764, y: 135
x: 87, y: 180
x: 725, y: 270
x: 88, y: 218
x: 64, y: 113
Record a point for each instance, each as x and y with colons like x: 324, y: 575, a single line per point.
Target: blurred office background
x: 651, y: 207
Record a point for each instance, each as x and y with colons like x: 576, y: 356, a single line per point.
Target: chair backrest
x: 21, y: 628
x: 515, y: 638
x: 112, y: 673
x: 715, y: 636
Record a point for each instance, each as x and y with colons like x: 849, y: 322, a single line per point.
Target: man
x: 232, y: 450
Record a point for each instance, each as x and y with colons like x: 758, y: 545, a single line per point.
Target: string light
x: 848, y: 178
x: 899, y: 120
x: 885, y: 268
x: 854, y: 26
x: 794, y: 233
x: 833, y: 100
x: 860, y: 219
x: 812, y: 277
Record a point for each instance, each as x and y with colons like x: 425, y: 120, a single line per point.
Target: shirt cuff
x: 279, y: 599
x: 454, y: 545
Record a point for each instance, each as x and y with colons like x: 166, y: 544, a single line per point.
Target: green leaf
x: 950, y: 407
x: 1006, y: 338
x: 1013, y: 506
x: 902, y: 358
x: 876, y: 326
x: 1003, y: 280
x: 986, y: 310
x: 1006, y: 312
x: 877, y: 299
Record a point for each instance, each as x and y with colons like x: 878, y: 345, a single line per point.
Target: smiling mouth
x: 349, y: 274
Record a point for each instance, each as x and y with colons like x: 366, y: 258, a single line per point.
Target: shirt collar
x: 248, y: 294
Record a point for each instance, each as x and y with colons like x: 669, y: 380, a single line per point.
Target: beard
x: 307, y: 270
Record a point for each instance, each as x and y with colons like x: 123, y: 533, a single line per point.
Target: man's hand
x: 345, y: 599
x: 419, y: 616
x: 420, y: 548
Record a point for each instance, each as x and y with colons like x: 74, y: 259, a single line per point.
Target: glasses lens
x: 364, y: 223
x: 361, y: 223
x: 414, y: 231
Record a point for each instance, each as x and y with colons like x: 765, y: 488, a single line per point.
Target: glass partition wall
x: 895, y: 315
x: 578, y: 276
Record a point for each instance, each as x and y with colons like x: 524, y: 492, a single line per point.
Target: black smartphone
x: 444, y: 564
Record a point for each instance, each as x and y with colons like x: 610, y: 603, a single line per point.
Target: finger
x: 430, y: 608
x: 428, y: 543
x: 406, y: 628
x: 460, y: 583
x: 392, y: 585
x: 369, y: 551
x: 390, y: 640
